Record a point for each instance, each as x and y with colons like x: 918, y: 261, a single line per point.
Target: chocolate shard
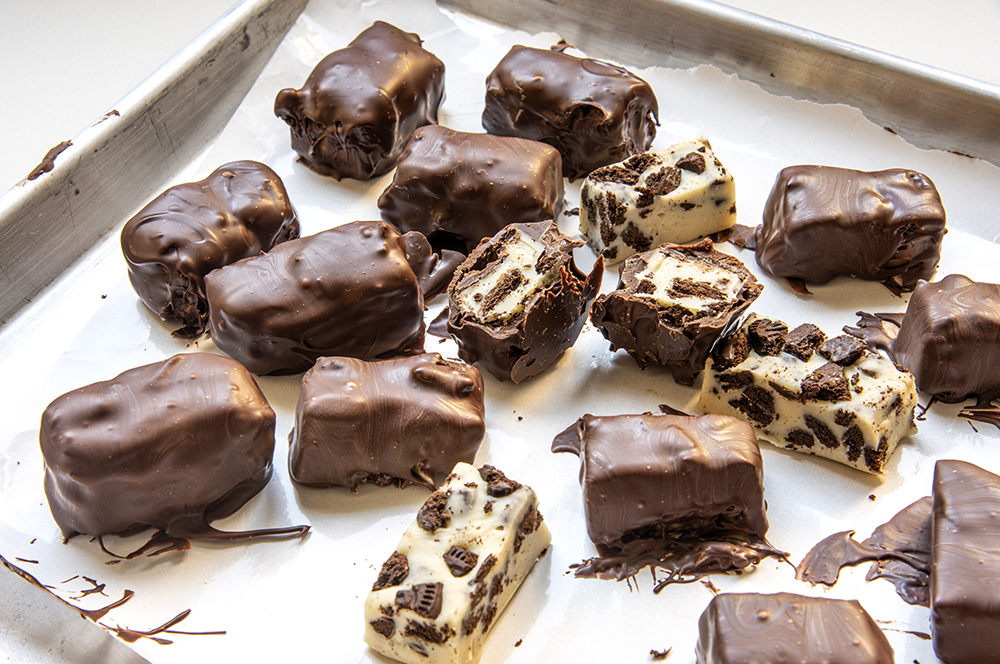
x: 672, y: 304
x: 821, y: 222
x: 458, y: 188
x: 346, y: 291
x: 170, y: 245
x: 593, y: 112
x: 399, y: 421
x: 784, y: 627
x: 361, y: 103
x: 519, y: 301
x: 460, y: 561
x: 172, y: 445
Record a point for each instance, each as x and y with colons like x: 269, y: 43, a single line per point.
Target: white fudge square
x: 675, y: 196
x: 456, y: 568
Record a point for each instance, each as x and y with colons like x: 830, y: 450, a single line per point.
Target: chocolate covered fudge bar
x: 750, y: 628
x: 595, y: 113
x: 397, y: 421
x: 458, y: 188
x: 238, y: 211
x: 821, y: 222
x: 519, y: 301
x: 361, y: 103
x: 965, y: 566
x: 672, y: 304
x: 455, y: 569
x: 804, y: 392
x: 675, y: 196
x: 345, y: 291
x: 949, y: 338
x: 172, y: 445
x: 680, y: 493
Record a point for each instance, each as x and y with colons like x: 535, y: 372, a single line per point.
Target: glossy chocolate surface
x: 345, y: 291
x: 821, y: 222
x: 965, y: 614
x: 360, y: 104
x: 681, y: 493
x: 674, y: 336
x: 551, y: 320
x: 238, y: 211
x: 593, y: 112
x: 397, y: 421
x: 458, y: 188
x: 172, y: 445
x: 750, y: 628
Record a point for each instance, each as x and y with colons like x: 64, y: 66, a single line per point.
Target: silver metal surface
x: 120, y: 161
x: 929, y: 107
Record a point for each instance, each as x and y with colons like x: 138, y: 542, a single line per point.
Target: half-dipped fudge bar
x: 238, y: 211
x: 455, y: 569
x: 397, y: 421
x: 595, y: 113
x: 172, y: 445
x: 672, y: 304
x: 821, y: 222
x: 750, y: 628
x: 345, y: 291
x: 675, y: 196
x: 680, y: 493
x: 519, y: 300
x: 361, y: 103
x: 458, y: 188
x: 804, y: 392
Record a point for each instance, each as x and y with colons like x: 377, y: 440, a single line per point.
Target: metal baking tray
x: 118, y: 163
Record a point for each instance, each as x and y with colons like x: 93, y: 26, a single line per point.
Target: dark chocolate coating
x: 673, y: 337
x: 360, y: 104
x: 398, y: 421
x: 593, y: 112
x: 749, y: 628
x: 171, y: 445
x: 821, y: 222
x: 346, y: 291
x: 965, y: 613
x: 238, y: 211
x: 456, y: 186
x: 667, y: 476
x: 552, y: 319
x: 950, y: 338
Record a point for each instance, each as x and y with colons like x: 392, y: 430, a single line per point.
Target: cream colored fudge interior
x: 622, y: 218
x: 502, y: 289
x: 459, y: 576
x: 880, y: 408
x: 663, y: 270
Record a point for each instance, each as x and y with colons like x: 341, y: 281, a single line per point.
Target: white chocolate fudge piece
x: 674, y: 196
x: 456, y: 568
x: 832, y: 398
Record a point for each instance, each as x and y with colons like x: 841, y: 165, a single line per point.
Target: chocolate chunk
x: 434, y: 513
x: 427, y: 632
x: 172, y: 445
x: 800, y: 438
x: 238, y: 211
x: 757, y: 404
x: 676, y: 323
x: 693, y: 162
x: 394, y: 571
x: 735, y: 380
x: 361, y: 103
x: 827, y: 383
x: 423, y: 598
x: 822, y: 431
x: 844, y: 350
x: 821, y: 222
x: 767, y: 337
x: 459, y: 188
x: 345, y: 291
x: 384, y: 626
x: 399, y: 421
x: 460, y: 561
x: 593, y: 112
x: 516, y: 328
x: 731, y: 350
x: 498, y: 485
x: 803, y: 341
